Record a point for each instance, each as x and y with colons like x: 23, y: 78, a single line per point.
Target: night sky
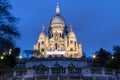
x: 96, y: 23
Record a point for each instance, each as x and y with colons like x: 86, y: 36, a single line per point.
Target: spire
x: 43, y: 27
x: 57, y: 8
x: 70, y: 27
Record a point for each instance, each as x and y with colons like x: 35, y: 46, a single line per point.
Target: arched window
x: 42, y: 42
x: 41, y: 69
x: 71, y: 49
x: 62, y: 56
x: 56, y: 45
x: 60, y: 35
x: 51, y: 35
x: 71, y: 69
x: 71, y: 41
x: 50, y: 49
x: 75, y: 43
x: 38, y: 45
x: 57, y: 69
x: 50, y: 56
x: 67, y: 43
x: 42, y: 50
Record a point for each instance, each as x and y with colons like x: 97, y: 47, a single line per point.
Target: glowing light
x: 2, y: 57
x: 113, y: 57
x: 94, y: 56
x: 10, y: 51
x: 43, y: 53
x: 4, y: 53
x: 20, y: 57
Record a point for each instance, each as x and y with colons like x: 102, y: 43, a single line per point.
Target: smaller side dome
x: 71, y: 33
x: 43, y: 33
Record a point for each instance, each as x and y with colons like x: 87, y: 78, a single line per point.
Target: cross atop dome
x: 70, y: 27
x: 57, y: 8
x: 43, y: 27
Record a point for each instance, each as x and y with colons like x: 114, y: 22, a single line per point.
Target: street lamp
x: 43, y: 54
x: 20, y: 57
x: 10, y: 51
x: 113, y: 57
x: 2, y: 57
x: 94, y: 56
x: 4, y: 53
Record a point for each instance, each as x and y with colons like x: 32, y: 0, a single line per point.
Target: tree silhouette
x: 28, y: 52
x: 102, y: 56
x: 84, y: 55
x: 114, y: 62
x: 9, y: 61
x: 8, y: 30
x: 16, y: 51
x: 37, y: 54
x: 116, y: 49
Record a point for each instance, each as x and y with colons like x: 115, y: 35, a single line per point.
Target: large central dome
x: 57, y: 24
x: 57, y: 19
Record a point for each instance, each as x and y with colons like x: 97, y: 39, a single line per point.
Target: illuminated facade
x: 59, y: 41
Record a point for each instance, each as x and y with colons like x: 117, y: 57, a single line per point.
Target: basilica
x: 59, y: 41
x: 62, y: 57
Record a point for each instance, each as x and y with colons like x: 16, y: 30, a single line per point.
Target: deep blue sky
x: 96, y: 23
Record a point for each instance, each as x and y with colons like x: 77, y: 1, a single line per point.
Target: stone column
x: 48, y: 77
x: 66, y: 70
x: 103, y: 71
x: 67, y: 77
x: 23, y: 78
x: 58, y: 78
x: 80, y: 78
x: 50, y: 71
x: 36, y: 78
x: 14, y: 73
x: 94, y: 78
x: 113, y: 72
x: 106, y: 78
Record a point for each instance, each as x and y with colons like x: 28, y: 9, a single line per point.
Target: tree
x: 16, y: 51
x: 28, y: 52
x: 102, y: 56
x: 8, y: 30
x: 8, y: 62
x: 84, y: 56
x: 37, y: 54
x: 114, y: 62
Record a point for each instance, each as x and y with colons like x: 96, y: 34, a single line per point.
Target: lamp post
x: 2, y: 57
x: 10, y: 51
x: 20, y: 57
x: 94, y: 56
x: 43, y: 54
x: 113, y: 57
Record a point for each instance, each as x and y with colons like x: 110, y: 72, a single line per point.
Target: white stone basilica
x: 68, y: 65
x: 59, y: 41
